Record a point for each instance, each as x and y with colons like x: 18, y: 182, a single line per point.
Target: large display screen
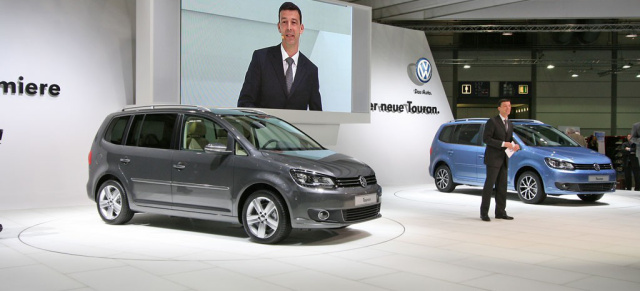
x: 218, y: 39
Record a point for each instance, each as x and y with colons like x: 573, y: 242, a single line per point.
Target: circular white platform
x: 164, y: 238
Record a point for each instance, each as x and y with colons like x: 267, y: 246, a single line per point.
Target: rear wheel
x: 444, y: 181
x: 265, y: 217
x: 530, y: 188
x: 112, y: 203
x: 590, y: 197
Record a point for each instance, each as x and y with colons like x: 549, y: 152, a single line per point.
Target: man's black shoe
x: 485, y: 218
x: 507, y: 217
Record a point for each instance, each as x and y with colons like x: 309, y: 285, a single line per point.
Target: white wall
x: 396, y: 145
x: 86, y: 47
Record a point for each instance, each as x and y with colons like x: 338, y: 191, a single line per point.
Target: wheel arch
x: 253, y: 188
x: 521, y: 171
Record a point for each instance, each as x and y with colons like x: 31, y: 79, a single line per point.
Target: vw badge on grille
x: 363, y: 181
x: 596, y: 167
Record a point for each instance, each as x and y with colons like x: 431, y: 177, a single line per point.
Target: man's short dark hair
x: 503, y: 100
x: 289, y: 6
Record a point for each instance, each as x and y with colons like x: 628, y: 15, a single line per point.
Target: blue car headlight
x: 559, y: 164
x: 311, y: 179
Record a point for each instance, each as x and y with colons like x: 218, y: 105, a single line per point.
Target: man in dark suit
x: 498, y: 134
x: 630, y: 164
x: 281, y: 76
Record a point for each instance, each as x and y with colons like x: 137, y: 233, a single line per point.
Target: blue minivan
x: 548, y: 163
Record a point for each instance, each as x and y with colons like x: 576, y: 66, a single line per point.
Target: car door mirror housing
x: 216, y: 148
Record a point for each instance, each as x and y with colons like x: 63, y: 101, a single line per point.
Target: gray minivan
x: 235, y: 165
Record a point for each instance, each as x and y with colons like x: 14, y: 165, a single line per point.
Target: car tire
x: 530, y: 188
x: 112, y: 203
x: 265, y: 217
x: 590, y: 197
x: 443, y: 179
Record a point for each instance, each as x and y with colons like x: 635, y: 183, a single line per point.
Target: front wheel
x: 265, y: 217
x: 444, y: 181
x: 590, y: 197
x: 112, y: 203
x: 530, y: 188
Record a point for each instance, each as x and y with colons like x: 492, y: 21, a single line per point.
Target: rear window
x: 445, y: 134
x: 116, y: 129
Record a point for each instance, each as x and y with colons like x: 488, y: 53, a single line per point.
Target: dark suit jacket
x: 265, y: 85
x: 494, y: 135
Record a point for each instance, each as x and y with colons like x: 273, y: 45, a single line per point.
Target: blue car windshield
x: 271, y: 133
x: 543, y: 136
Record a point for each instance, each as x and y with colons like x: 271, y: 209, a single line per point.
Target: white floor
x: 426, y: 240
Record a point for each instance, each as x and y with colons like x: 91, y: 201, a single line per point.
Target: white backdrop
x: 396, y: 145
x: 85, y: 47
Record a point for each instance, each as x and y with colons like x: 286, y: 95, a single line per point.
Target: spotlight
x: 467, y: 66
x: 574, y: 76
x: 631, y: 35
x: 507, y: 33
x: 626, y: 66
x: 550, y: 66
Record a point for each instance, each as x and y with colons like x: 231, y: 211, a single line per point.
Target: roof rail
x: 158, y: 106
x: 526, y: 120
x: 244, y: 109
x: 469, y: 119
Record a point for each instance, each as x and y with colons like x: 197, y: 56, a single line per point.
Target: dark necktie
x: 289, y: 74
x: 506, y: 127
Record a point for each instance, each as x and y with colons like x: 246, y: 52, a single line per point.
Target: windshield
x: 543, y: 136
x: 271, y: 133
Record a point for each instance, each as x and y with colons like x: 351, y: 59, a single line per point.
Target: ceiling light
x: 638, y: 76
x: 633, y: 34
x: 574, y: 76
x: 550, y: 66
x: 507, y: 33
x: 626, y: 66
x: 467, y: 66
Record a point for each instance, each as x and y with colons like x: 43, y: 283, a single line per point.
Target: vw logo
x: 596, y: 167
x: 363, y: 181
x: 423, y: 70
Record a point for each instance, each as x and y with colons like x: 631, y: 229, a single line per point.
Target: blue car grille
x: 355, y: 182
x: 592, y: 167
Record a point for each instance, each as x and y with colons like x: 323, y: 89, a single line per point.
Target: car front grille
x: 355, y: 182
x: 361, y: 213
x: 595, y: 187
x: 592, y: 167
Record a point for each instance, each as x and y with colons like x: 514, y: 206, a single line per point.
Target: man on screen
x: 281, y: 76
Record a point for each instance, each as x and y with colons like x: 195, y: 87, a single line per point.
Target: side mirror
x: 216, y: 148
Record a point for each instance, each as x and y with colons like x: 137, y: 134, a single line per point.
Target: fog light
x: 323, y: 215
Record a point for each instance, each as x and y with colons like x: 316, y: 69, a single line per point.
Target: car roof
x: 192, y: 108
x: 483, y: 120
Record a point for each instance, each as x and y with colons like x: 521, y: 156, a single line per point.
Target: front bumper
x: 320, y: 208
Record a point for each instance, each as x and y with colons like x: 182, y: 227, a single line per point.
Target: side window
x: 198, y: 132
x: 115, y: 131
x: 445, y: 134
x: 152, y: 131
x: 468, y: 134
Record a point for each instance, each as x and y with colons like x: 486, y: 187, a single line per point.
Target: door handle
x: 179, y: 166
x: 450, y: 152
x: 125, y: 160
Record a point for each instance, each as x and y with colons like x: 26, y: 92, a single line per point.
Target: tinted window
x: 115, y: 131
x: 199, y: 132
x: 152, y: 131
x: 445, y: 134
x: 468, y: 134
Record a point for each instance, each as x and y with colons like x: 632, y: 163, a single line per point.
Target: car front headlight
x: 559, y: 164
x: 311, y: 179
